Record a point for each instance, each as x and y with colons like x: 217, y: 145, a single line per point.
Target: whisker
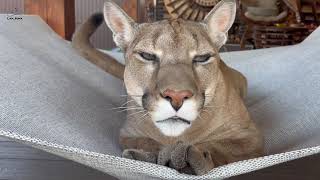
x: 144, y: 115
x: 214, y: 106
x: 123, y: 95
x: 142, y: 118
x: 135, y: 107
x: 129, y: 115
x: 117, y: 108
x: 124, y: 107
x: 131, y: 109
x: 118, y: 95
x: 127, y: 102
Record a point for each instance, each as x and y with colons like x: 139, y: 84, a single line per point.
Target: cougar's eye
x: 148, y: 56
x: 202, y: 58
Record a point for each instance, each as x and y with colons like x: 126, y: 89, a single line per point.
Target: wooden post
x: 135, y: 9
x: 131, y: 8
x: 59, y: 14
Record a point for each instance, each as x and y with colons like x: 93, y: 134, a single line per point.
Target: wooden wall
x: 58, y: 14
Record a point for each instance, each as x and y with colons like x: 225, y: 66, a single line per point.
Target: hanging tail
x: 81, y: 42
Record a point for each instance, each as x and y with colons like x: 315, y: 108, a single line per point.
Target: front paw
x: 186, y: 159
x: 173, y: 156
x: 140, y: 155
x: 200, y: 161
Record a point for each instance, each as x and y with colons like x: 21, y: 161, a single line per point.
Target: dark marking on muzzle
x: 145, y: 100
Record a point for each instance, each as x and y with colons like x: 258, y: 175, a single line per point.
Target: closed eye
x: 202, y: 58
x: 148, y: 56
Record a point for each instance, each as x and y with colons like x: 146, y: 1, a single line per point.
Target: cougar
x: 185, y: 105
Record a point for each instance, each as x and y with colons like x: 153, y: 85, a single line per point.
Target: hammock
x: 54, y: 100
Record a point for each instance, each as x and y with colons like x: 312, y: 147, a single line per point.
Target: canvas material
x: 54, y: 100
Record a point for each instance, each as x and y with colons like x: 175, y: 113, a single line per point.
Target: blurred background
x: 259, y: 23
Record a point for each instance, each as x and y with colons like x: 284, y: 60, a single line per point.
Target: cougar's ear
x: 122, y: 26
x: 219, y: 20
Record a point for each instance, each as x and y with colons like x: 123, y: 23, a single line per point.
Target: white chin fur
x: 163, y: 110
x: 171, y: 128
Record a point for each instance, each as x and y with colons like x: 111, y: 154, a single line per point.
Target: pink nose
x: 176, y: 98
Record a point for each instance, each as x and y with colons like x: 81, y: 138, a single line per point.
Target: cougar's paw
x: 173, y: 156
x: 199, y: 161
x: 140, y: 155
x: 185, y: 159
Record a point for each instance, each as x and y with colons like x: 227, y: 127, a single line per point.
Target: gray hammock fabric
x: 54, y: 100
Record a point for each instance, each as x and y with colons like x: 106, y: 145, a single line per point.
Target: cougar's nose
x: 176, y: 98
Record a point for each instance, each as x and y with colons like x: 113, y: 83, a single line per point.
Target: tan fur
x: 223, y: 127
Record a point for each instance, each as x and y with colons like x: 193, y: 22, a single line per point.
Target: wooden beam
x: 131, y: 8
x: 36, y: 7
x: 59, y: 14
x: 135, y: 9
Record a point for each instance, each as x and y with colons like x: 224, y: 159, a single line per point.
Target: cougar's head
x: 172, y: 66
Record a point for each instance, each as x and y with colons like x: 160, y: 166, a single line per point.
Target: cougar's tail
x: 81, y: 42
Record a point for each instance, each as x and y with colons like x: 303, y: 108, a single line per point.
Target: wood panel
x: 36, y: 7
x: 61, y: 17
x: 59, y: 14
x: 131, y: 8
x: 135, y: 9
